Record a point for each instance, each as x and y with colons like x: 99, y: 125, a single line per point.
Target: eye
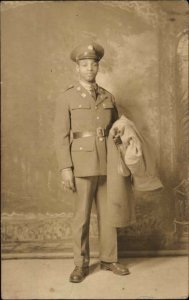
x: 83, y: 64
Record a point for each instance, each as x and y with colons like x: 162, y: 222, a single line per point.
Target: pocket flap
x: 81, y: 105
x: 83, y: 144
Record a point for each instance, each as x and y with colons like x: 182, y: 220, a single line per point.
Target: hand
x: 68, y: 179
x: 117, y: 133
x: 117, y: 140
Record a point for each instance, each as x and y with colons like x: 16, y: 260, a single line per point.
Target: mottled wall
x: 36, y: 42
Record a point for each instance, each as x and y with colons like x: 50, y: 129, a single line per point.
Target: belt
x: 100, y: 132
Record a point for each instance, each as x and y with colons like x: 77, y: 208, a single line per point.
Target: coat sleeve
x: 62, y: 133
x: 133, y: 156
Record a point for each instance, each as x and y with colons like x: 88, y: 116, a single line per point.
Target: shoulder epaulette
x: 104, y: 90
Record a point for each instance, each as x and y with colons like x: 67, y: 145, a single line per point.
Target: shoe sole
x: 74, y: 281
x: 106, y: 268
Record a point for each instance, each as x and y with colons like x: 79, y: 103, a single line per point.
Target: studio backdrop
x: 144, y: 67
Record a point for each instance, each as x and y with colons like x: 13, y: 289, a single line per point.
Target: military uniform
x: 82, y: 124
x: 84, y: 115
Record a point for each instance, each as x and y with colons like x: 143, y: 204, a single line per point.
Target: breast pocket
x: 80, y: 115
x: 108, y: 109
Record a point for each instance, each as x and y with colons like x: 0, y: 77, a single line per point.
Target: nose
x: 89, y: 67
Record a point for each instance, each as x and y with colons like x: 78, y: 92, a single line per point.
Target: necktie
x: 93, y: 92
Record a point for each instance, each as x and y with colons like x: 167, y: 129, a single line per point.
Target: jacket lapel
x: 101, y: 95
x: 83, y: 92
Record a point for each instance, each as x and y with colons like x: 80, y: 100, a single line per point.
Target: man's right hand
x: 68, y: 179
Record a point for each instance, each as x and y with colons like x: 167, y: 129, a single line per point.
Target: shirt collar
x: 89, y: 86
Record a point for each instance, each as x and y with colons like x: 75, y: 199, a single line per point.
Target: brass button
x: 81, y: 148
x: 80, y: 106
x: 101, y: 139
x: 98, y: 118
x: 96, y: 106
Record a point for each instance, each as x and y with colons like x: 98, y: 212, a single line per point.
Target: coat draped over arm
x: 130, y: 166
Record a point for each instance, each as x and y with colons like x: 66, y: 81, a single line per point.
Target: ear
x: 98, y: 65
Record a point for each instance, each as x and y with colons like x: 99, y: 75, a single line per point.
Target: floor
x: 150, y: 278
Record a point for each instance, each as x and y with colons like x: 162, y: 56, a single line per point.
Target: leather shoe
x: 116, y: 268
x: 78, y: 274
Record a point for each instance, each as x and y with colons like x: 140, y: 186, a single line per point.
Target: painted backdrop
x: 140, y: 40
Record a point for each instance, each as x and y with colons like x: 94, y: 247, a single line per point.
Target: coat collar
x: 101, y: 93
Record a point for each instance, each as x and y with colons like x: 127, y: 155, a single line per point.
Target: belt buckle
x: 100, y: 132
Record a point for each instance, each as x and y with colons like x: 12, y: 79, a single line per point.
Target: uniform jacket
x: 78, y: 111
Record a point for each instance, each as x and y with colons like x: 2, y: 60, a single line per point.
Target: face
x: 87, y: 69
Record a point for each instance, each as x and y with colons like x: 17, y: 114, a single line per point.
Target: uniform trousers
x: 89, y: 189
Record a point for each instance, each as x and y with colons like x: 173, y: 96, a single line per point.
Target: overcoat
x: 123, y: 179
x: 120, y: 196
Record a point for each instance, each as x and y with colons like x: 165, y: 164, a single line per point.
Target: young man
x: 85, y: 113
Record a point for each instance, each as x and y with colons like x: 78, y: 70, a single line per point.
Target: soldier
x: 84, y: 115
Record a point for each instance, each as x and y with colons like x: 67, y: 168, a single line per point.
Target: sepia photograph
x: 94, y: 149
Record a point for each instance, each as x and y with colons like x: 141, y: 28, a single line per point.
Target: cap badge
x: 90, y: 47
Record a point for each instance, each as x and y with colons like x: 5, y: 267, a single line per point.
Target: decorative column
x: 167, y: 99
